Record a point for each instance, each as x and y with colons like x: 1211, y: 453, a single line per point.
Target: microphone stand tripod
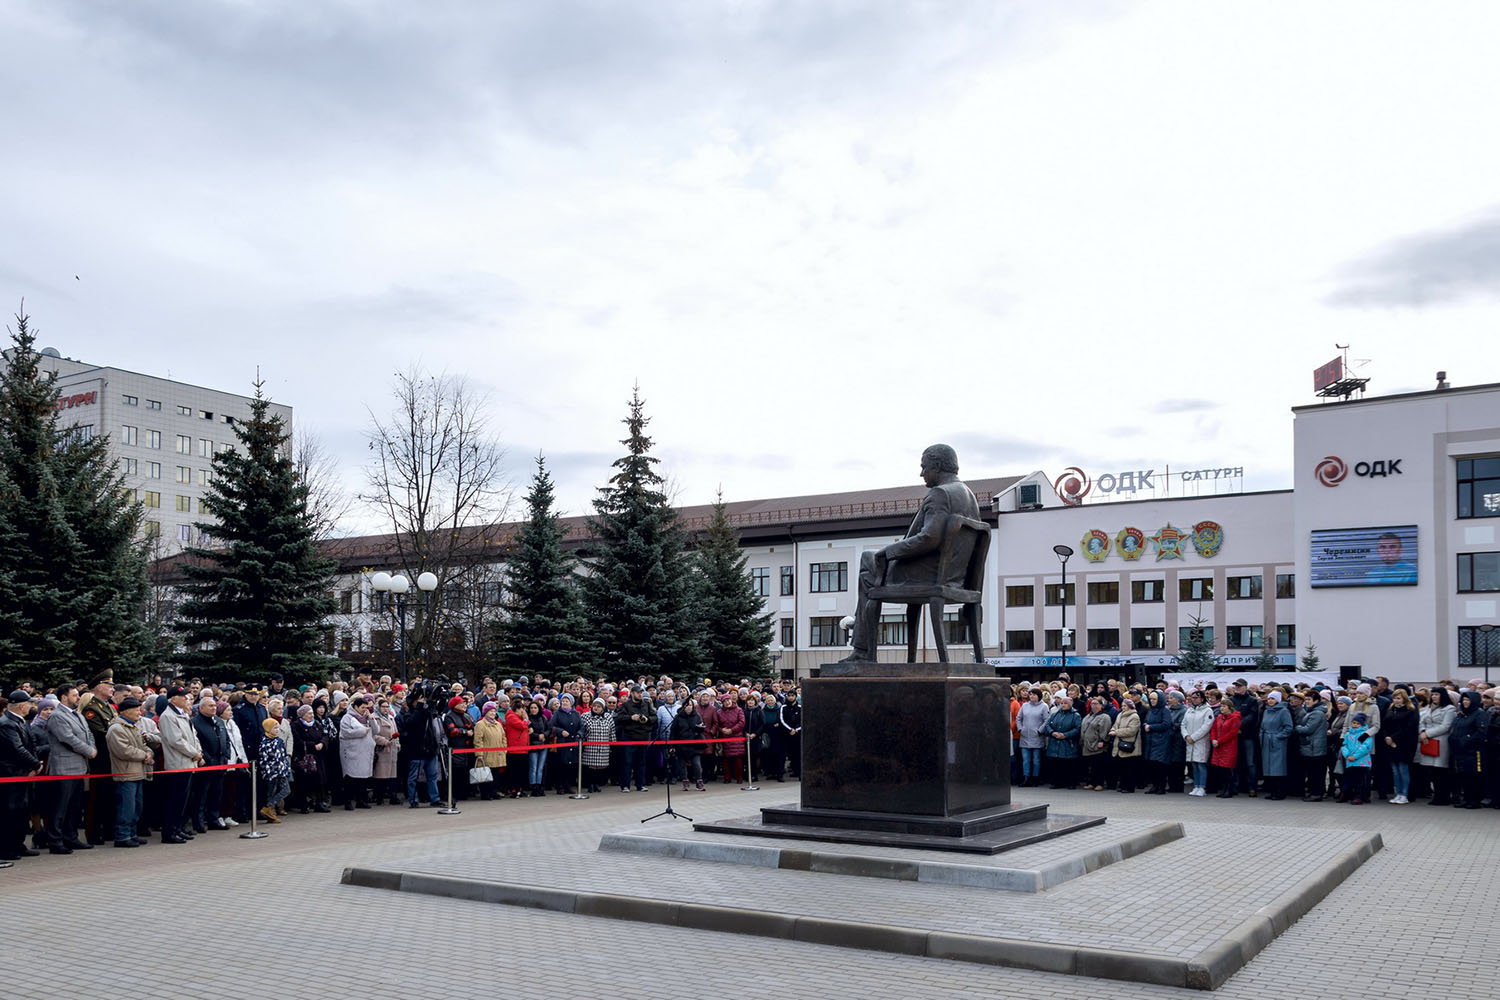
x: 668, y: 811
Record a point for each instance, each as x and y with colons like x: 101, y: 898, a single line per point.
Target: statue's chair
x: 957, y: 579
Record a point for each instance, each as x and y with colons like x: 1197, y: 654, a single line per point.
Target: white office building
x: 162, y: 433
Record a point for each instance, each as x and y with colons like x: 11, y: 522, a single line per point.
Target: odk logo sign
x: 1333, y: 470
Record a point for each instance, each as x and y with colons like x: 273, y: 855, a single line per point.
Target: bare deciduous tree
x: 327, y: 500
x: 437, y: 478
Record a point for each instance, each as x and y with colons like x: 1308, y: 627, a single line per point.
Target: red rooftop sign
x: 1328, y: 374
x: 77, y: 399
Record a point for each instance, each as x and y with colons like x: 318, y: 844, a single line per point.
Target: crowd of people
x: 1369, y: 741
x: 116, y: 763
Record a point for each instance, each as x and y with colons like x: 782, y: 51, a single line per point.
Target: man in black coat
x: 208, y: 786
x: 420, y: 741
x: 20, y: 757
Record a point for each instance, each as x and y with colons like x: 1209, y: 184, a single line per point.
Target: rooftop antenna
x: 1333, y: 381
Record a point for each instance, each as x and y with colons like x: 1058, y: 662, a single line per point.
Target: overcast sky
x: 820, y: 235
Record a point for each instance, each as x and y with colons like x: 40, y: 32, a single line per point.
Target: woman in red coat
x: 1225, y: 741
x: 730, y: 723
x: 517, y: 740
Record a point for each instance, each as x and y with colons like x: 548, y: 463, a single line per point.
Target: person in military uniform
x: 98, y: 710
x: 21, y: 756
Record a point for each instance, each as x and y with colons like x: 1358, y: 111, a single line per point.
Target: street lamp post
x: 1063, y: 554
x: 398, y: 586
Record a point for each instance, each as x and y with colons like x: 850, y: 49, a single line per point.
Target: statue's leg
x: 866, y: 612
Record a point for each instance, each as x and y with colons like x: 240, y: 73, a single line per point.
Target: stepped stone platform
x: 1138, y: 904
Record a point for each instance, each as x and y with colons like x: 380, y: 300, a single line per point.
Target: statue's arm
x: 929, y: 538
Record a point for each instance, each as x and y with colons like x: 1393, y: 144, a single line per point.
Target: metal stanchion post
x: 749, y: 785
x: 254, y: 834
x: 580, y: 793
x: 449, y: 810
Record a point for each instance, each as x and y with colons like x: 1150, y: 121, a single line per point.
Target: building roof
x: 866, y: 508
x: 1365, y: 400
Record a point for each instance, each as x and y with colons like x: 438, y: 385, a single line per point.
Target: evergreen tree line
x: 256, y: 599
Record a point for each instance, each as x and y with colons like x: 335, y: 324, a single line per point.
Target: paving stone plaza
x: 1415, y: 919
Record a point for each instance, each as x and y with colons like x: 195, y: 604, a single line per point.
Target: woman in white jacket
x: 236, y: 756
x: 1435, y: 720
x: 1196, y: 723
x: 357, y: 753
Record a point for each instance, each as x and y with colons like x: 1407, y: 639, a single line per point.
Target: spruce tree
x: 545, y: 632
x: 639, y: 593
x: 71, y: 567
x: 736, y: 627
x: 1197, y: 654
x: 257, y: 596
x: 1310, y: 658
x: 1266, y: 658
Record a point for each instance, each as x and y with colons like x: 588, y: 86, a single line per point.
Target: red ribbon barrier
x: 598, y: 743
x: 76, y: 777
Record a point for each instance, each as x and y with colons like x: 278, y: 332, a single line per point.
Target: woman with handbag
x: 310, y: 779
x: 518, y: 743
x: 1436, y: 722
x: 687, y: 725
x: 1127, y: 750
x: 1093, y: 743
x: 489, y: 736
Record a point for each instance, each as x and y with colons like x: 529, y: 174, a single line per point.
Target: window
x: 132, y: 400
x: 184, y: 444
x: 788, y: 581
x: 184, y: 474
x: 1104, y: 638
x: 1147, y: 592
x: 130, y: 466
x: 1478, y: 572
x: 491, y: 593
x: 1195, y: 589
x: 1020, y: 641
x: 955, y: 629
x: 205, y: 536
x: 129, y: 435
x: 346, y: 642
x: 829, y: 577
x: 760, y: 581
x: 1052, y: 639
x: 1479, y: 487
x: 453, y: 598
x: 153, y: 404
x: 1478, y: 648
x: 202, y: 506
x: 205, y: 476
x: 184, y: 532
x: 1020, y: 597
x: 346, y: 602
x: 184, y: 504
x: 1286, y: 585
x: 1286, y: 637
x: 1187, y: 630
x: 152, y: 529
x: 825, y: 632
x: 205, y: 448
x: 153, y: 439
x: 1244, y: 588
x: 1104, y: 593
x: 893, y: 630
x: 788, y: 630
x: 153, y: 499
x: 382, y: 639
x: 1148, y: 638
x: 1055, y: 594
x: 205, y: 414
x: 153, y: 470
x: 184, y: 411
x: 1243, y: 637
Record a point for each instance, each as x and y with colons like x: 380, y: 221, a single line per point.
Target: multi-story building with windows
x: 164, y: 435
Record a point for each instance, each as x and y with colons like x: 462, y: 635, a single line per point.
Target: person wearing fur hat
x: 357, y: 753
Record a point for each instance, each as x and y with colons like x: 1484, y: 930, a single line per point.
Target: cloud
x: 1184, y: 405
x: 1437, y: 268
x: 979, y: 450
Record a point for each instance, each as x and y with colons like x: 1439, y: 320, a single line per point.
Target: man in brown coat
x: 130, y: 758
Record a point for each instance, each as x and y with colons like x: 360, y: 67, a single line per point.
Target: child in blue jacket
x: 1356, y: 752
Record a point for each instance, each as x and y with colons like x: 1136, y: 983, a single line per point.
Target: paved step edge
x: 1209, y: 969
x: 1131, y: 966
x: 934, y: 872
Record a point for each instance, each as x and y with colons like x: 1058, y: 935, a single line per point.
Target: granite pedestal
x: 907, y: 755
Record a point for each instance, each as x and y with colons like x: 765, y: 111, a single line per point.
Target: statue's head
x: 940, y: 458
